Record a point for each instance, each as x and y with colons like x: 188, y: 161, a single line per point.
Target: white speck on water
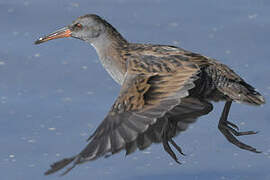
x: 11, y: 112
x: 211, y: 36
x: 146, y: 152
x: 45, y: 154
x: 173, y: 24
x: 249, y: 165
x: 10, y: 10
x: 171, y: 164
x: 23, y: 138
x: 183, y: 162
x: 58, y: 133
x: 52, y: 129
x: 3, y: 99
x: 59, y: 90
x: 74, y: 5
x: 215, y: 29
x: 58, y: 116
x: 90, y: 93
x: 37, y: 55
x: 11, y: 156
x: 235, y: 154
x: 19, y: 93
x: 158, y: 157
x: 57, y: 154
x: 89, y: 125
x: 135, y: 158
x: 15, y: 33
x: 31, y: 141
x: 67, y: 99
x: 2, y: 63
x: 64, y: 62
x: 242, y: 123
x: 228, y: 52
x: 26, y: 3
x: 31, y: 165
x: 29, y: 116
x: 84, y: 67
x: 252, y: 16
x: 83, y: 134
x: 176, y: 43
x: 26, y: 34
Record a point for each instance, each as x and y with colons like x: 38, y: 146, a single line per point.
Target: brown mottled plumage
x: 164, y: 89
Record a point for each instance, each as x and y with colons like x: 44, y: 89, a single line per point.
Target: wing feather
x: 145, y: 98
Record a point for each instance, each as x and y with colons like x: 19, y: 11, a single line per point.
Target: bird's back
x: 216, y: 81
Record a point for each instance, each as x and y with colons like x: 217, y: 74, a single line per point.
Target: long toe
x: 178, y: 148
x: 169, y: 150
x: 229, y: 136
x: 231, y: 124
x: 238, y: 133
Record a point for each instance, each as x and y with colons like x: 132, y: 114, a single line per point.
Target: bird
x: 163, y: 89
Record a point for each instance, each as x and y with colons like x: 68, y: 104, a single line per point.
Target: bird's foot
x: 228, y: 130
x: 167, y: 134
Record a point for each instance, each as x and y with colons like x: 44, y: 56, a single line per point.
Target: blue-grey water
x: 52, y: 96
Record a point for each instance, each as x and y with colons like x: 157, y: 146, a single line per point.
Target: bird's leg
x: 228, y: 130
x: 166, y: 137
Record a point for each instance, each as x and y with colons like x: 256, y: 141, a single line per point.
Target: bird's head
x: 88, y: 28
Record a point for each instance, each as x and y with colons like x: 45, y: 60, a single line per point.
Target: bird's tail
x: 244, y: 93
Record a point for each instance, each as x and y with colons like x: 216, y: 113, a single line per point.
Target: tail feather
x: 251, y: 95
x: 243, y: 92
x: 255, y: 99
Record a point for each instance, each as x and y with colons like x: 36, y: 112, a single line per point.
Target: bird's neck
x: 109, y: 50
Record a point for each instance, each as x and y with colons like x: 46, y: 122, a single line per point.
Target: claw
x: 228, y: 131
x: 169, y: 150
x: 236, y: 142
x: 232, y: 124
x: 178, y: 148
x: 237, y: 133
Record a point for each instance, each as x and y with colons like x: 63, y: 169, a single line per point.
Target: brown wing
x: 152, y: 88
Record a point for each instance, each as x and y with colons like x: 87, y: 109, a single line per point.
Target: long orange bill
x: 61, y: 33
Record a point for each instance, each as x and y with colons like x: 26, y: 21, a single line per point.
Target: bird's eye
x: 78, y: 25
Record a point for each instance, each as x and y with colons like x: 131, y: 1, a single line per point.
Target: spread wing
x: 176, y: 121
x: 152, y: 88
